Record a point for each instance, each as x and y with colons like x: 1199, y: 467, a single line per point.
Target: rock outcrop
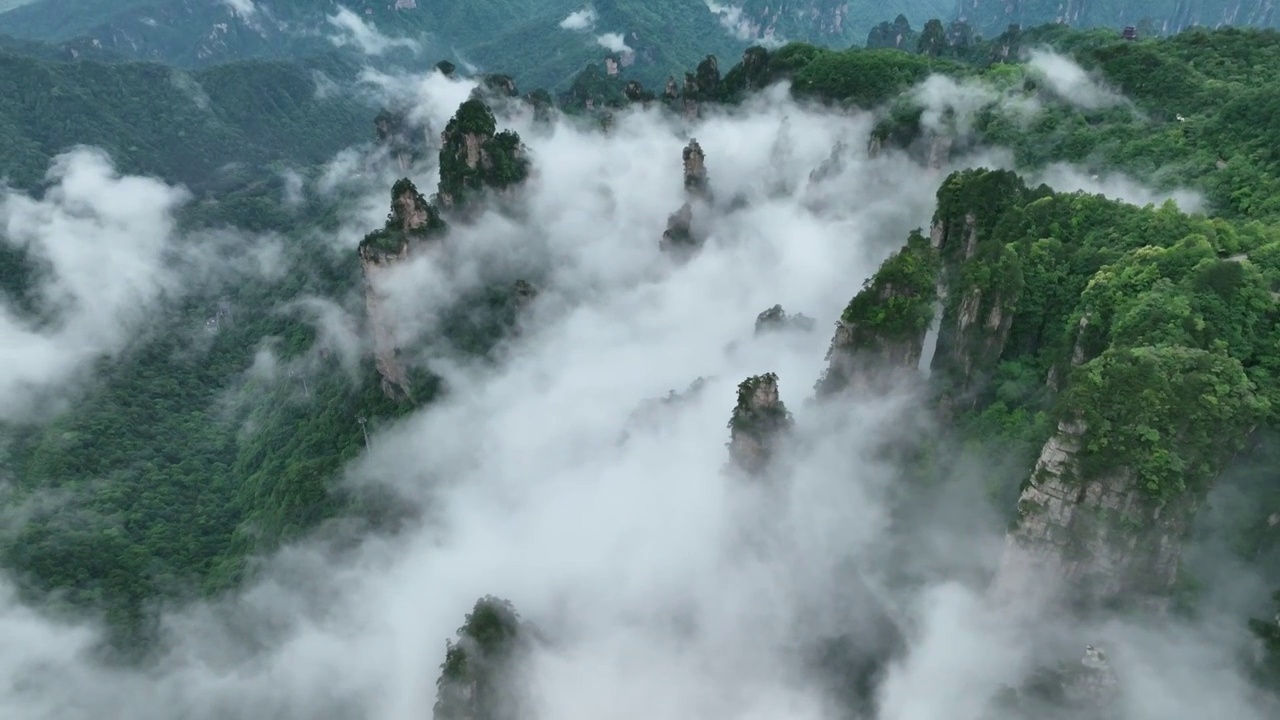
x: 701, y: 86
x: 475, y: 156
x: 775, y: 319
x: 681, y: 238
x: 412, y: 222
x: 881, y: 333
x: 651, y: 412
x: 480, y: 678
x: 981, y: 283
x: 759, y: 423
x: 406, y: 142
x: 897, y: 34
x: 1116, y: 488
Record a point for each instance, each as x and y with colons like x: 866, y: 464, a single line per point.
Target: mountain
x: 328, y: 398
x: 1160, y: 17
x: 542, y: 44
x: 186, y: 126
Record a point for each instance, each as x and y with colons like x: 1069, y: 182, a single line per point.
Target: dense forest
x: 1112, y: 368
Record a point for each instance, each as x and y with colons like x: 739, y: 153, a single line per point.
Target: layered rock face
x: 680, y: 237
x: 700, y: 86
x: 1098, y: 534
x: 881, y: 333
x: 759, y: 423
x: 1116, y: 489
x: 981, y: 282
x: 816, y: 19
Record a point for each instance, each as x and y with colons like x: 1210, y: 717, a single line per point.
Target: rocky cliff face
x: 881, y: 333
x: 701, y: 86
x: 1144, y: 434
x: 681, y: 239
x: 980, y: 284
x: 1097, y: 533
x: 759, y: 423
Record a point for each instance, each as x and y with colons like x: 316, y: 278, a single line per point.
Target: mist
x: 669, y: 585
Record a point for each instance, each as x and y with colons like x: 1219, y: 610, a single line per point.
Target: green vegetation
x: 759, y: 412
x: 473, y: 157
x: 897, y: 302
x: 1172, y: 415
x: 186, y: 127
x: 1159, y: 328
x: 476, y: 679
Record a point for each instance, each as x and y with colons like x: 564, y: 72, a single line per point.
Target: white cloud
x: 104, y: 240
x: 614, y: 42
x: 1071, y: 82
x: 355, y: 31
x: 579, y: 19
x: 741, y: 27
x: 244, y: 8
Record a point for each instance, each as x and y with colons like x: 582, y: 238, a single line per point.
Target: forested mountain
x: 541, y: 43
x: 192, y: 127
x: 1149, y: 17
x: 305, y: 353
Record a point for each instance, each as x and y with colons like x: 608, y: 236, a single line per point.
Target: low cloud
x: 244, y: 8
x: 1071, y: 82
x: 614, y: 42
x: 355, y: 31
x: 1117, y: 186
x: 580, y: 19
x: 99, y: 243
x: 740, y: 26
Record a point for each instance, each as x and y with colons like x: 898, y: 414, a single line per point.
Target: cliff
x: 406, y: 142
x: 475, y: 156
x: 1152, y: 17
x: 681, y: 238
x: 651, y: 412
x: 412, y: 222
x: 881, y: 332
x: 760, y: 421
x: 1145, y: 432
x: 821, y: 21
x: 981, y: 282
x: 776, y: 319
x: 478, y: 679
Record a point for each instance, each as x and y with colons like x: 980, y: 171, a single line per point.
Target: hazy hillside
x: 187, y: 127
x: 541, y: 43
x: 937, y: 379
x: 1150, y: 16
